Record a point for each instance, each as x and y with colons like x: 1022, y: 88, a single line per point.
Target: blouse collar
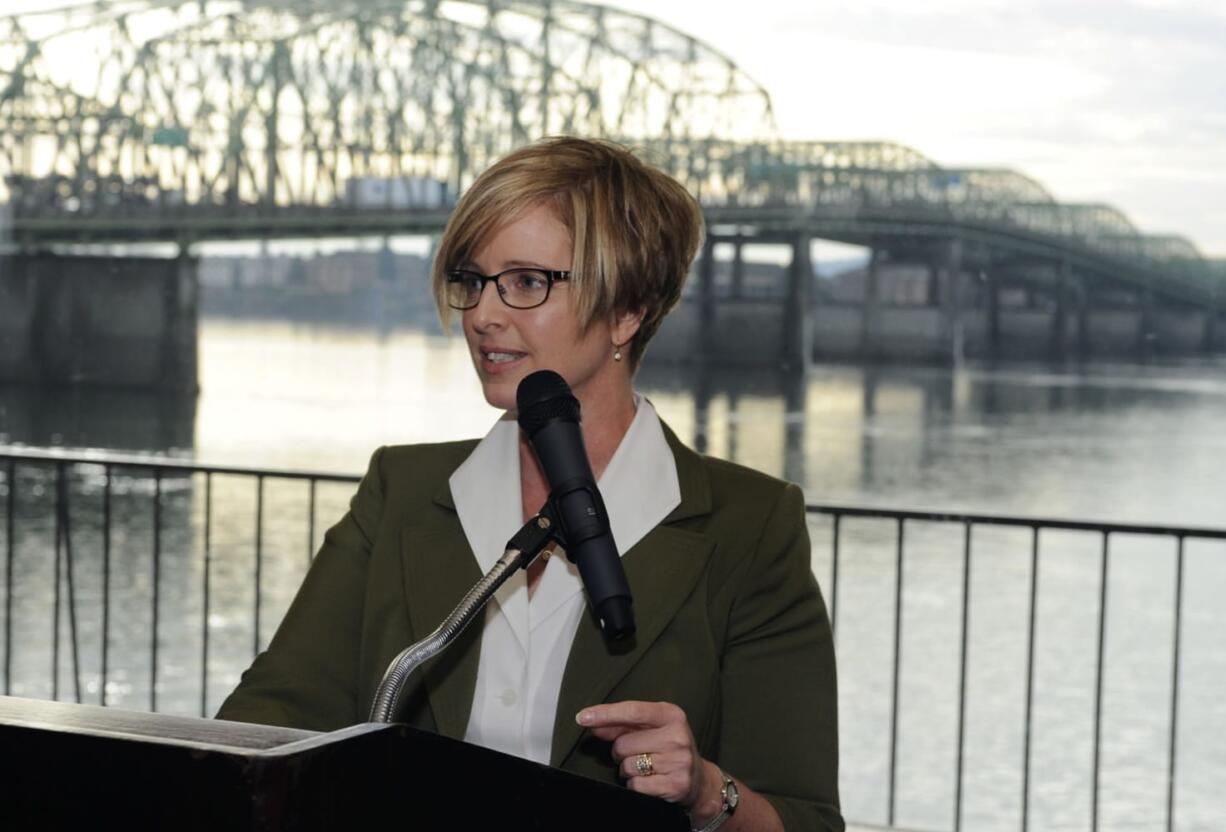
x: 640, y: 487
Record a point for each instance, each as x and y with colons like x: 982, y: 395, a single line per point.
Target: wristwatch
x: 731, y: 797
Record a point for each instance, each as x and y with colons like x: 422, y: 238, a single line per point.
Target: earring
x: 617, y: 353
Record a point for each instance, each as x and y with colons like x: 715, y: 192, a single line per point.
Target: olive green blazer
x: 731, y: 627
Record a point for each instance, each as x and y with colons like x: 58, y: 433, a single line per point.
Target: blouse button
x: 509, y: 697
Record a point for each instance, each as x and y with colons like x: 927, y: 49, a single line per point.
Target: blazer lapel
x: 662, y: 570
x: 439, y: 568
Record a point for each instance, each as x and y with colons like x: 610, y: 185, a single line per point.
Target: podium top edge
x: 96, y: 720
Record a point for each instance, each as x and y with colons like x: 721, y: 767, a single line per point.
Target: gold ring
x: 643, y: 765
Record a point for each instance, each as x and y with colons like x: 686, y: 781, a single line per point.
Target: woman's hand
x: 679, y: 774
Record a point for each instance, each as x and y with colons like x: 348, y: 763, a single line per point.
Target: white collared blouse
x: 526, y: 642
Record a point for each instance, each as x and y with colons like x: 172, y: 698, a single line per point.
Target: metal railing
x: 1036, y: 527
x: 157, y: 471
x: 69, y: 489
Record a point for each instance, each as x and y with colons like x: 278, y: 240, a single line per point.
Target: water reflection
x: 120, y: 420
x: 1101, y: 442
x: 1119, y: 443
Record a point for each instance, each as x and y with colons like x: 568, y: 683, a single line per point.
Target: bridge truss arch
x: 185, y: 119
x: 282, y: 102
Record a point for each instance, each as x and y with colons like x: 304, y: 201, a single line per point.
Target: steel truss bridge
x: 188, y: 120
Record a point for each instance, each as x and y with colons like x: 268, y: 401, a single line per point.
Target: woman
x: 725, y: 702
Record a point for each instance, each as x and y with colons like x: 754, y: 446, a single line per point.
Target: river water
x: 1142, y: 444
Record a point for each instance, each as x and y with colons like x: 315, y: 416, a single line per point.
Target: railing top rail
x: 1047, y: 523
x: 161, y: 463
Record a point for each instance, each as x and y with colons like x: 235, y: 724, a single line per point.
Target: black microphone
x: 549, y: 415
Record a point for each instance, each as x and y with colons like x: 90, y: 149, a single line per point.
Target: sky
x: 1116, y: 101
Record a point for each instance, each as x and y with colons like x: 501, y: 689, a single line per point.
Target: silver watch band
x: 729, y: 794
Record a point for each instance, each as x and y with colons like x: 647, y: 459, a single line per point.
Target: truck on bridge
x: 407, y: 192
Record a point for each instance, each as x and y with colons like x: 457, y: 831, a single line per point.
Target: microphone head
x: 544, y: 397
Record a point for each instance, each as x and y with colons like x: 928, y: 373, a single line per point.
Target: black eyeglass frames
x: 518, y: 288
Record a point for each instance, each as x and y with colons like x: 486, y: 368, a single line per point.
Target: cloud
x: 1010, y: 26
x: 1101, y: 100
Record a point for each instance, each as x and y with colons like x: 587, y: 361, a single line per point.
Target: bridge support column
x: 993, y: 291
x: 1083, y: 319
x: 1058, y: 346
x: 714, y: 326
x: 952, y: 301
x: 1147, y: 335
x: 738, y: 269
x: 797, y: 343
x: 868, y: 310
x: 385, y: 264
x: 181, y: 333
x: 934, y: 283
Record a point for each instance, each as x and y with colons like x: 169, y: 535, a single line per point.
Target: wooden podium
x: 81, y: 764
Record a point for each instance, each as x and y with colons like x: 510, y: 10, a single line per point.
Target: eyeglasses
x: 518, y: 288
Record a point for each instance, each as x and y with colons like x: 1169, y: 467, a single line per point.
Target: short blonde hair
x: 634, y: 228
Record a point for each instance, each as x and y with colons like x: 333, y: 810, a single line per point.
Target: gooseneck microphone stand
x: 522, y: 550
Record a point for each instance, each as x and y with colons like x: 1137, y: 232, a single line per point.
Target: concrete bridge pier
x: 726, y: 323
x: 1146, y: 325
x: 738, y: 268
x: 869, y: 314
x: 993, y: 280
x: 951, y: 302
x: 933, y: 293
x: 99, y: 321
x: 1175, y: 329
x: 1058, y: 347
x: 797, y: 347
x: 1082, y: 305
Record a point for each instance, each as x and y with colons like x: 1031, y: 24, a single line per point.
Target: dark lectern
x: 68, y: 764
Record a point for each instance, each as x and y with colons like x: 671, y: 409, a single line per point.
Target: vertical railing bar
x: 898, y: 567
x: 1172, y: 749
x: 1098, y: 681
x: 65, y: 506
x: 259, y: 559
x: 157, y: 569
x: 834, y: 575
x: 311, y: 522
x: 208, y: 565
x: 9, y: 556
x: 1030, y: 645
x: 55, y: 611
x: 106, y: 583
x: 962, y: 671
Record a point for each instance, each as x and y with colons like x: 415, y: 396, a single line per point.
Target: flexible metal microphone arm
x: 522, y: 550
